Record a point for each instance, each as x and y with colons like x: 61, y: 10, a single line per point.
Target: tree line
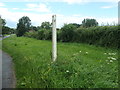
x: 5, y: 29
x: 24, y: 25
x: 88, y: 32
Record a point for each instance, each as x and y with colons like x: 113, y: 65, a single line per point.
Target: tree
x: 89, y: 23
x: 2, y: 21
x: 34, y: 28
x: 2, y: 24
x: 23, y: 25
x: 46, y: 25
x: 67, y: 32
x: 7, y: 30
x: 75, y: 24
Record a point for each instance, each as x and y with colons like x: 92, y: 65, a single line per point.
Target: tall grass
x: 77, y: 65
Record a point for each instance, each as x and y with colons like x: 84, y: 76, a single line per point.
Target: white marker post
x: 54, y: 38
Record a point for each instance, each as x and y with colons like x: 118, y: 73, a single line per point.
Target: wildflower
x: 109, y: 53
x: 105, y: 53
x: 113, y: 58
x: 114, y: 53
x: 108, y: 63
x: 80, y: 51
x: 111, y: 61
x: 67, y: 71
x: 48, y: 64
x: 86, y: 52
x: 74, y: 54
x: 76, y: 73
x: 109, y: 57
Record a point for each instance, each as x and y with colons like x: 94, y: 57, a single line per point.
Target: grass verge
x: 77, y: 65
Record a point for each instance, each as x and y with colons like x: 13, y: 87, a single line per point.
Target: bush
x: 31, y: 34
x: 67, y: 33
x: 44, y: 34
x: 106, y: 36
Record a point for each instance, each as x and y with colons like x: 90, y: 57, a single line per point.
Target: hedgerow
x: 106, y: 36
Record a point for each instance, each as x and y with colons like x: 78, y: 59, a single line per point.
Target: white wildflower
x: 105, y: 53
x: 67, y: 71
x: 111, y: 61
x: 109, y: 54
x: 113, y: 53
x: 74, y: 54
x: 80, y: 51
x: 109, y: 57
x: 76, y: 73
x: 113, y: 58
x: 86, y: 52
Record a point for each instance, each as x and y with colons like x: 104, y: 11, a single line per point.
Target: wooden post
x: 54, y: 38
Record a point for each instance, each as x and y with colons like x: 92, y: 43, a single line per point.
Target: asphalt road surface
x: 7, y: 74
x: 0, y: 69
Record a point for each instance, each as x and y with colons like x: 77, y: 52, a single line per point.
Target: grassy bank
x: 77, y: 65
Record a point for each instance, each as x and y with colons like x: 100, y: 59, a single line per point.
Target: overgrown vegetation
x: 5, y: 29
x: 77, y: 65
x: 23, y: 26
x: 106, y: 36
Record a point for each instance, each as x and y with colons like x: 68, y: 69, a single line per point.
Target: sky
x: 66, y: 11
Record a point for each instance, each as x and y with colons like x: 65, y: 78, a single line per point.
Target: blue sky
x: 67, y: 11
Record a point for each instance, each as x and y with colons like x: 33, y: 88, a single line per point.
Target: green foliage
x: 67, y: 32
x: 89, y: 23
x: 99, y: 36
x: 102, y: 36
x: 77, y: 65
x: 23, y: 25
x: 41, y: 34
x: 34, y: 28
x: 2, y: 21
x: 7, y: 30
x: 31, y: 34
x: 46, y: 25
x: 44, y: 34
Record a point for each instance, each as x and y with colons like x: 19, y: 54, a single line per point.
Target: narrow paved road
x: 0, y: 69
x: 8, y: 75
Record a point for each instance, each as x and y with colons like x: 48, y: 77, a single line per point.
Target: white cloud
x: 107, y: 20
x: 110, y: 6
x: 2, y: 4
x: 106, y: 7
x: 66, y: 1
x: 37, y: 8
x: 31, y: 5
x: 37, y: 19
x: 86, y: 1
x: 15, y: 8
x: 61, y: 19
x: 13, y: 17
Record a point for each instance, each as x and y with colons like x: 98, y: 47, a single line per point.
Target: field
x: 77, y: 65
